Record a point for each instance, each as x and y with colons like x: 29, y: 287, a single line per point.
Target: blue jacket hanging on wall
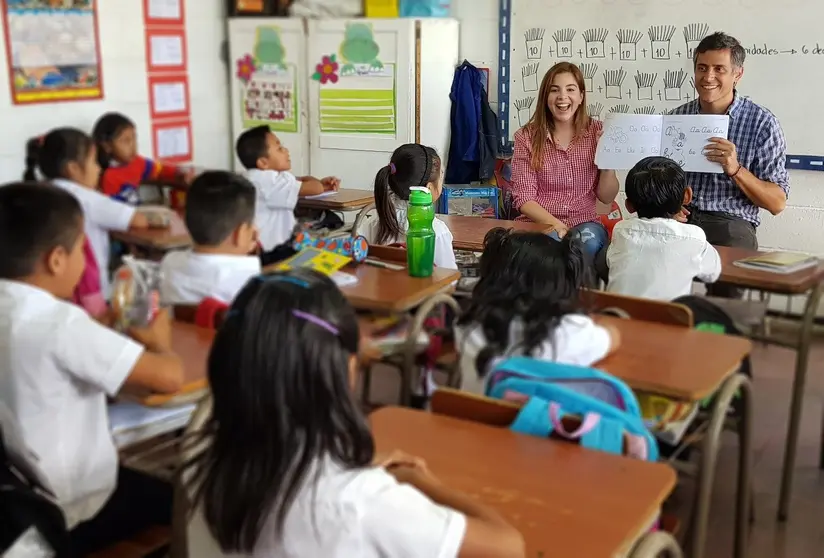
x: 473, y: 148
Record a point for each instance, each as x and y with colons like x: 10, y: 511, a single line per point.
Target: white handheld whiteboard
x: 636, y: 56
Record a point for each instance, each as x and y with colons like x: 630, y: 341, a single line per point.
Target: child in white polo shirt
x: 268, y: 167
x: 220, y: 214
x: 57, y: 365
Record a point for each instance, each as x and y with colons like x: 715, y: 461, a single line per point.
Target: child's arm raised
x: 158, y: 369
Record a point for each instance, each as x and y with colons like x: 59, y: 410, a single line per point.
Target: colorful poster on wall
x: 357, y: 90
x: 52, y: 48
x: 268, y: 84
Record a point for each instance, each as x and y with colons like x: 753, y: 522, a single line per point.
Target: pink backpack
x: 87, y: 294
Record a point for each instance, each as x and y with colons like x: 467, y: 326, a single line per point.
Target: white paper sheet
x: 172, y: 142
x: 166, y: 50
x: 321, y: 195
x: 169, y: 97
x: 164, y: 9
x: 628, y: 138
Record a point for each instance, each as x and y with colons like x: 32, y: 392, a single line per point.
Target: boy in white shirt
x: 658, y: 255
x: 268, y: 167
x: 220, y: 213
x: 58, y: 365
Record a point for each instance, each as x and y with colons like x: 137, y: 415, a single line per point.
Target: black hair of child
x: 251, y: 146
x: 525, y: 276
x: 217, y: 203
x: 106, y: 130
x: 655, y: 187
x: 282, y: 403
x: 52, y: 152
x: 35, y: 219
x: 411, y: 165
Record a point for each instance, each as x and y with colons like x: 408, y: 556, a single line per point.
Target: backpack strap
x: 609, y: 437
x: 588, y: 424
x: 533, y: 419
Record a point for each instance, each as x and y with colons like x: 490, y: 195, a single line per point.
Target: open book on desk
x: 628, y: 138
x: 321, y: 195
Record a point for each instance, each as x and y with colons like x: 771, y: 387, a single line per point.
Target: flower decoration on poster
x: 359, y: 51
x: 245, y: 68
x: 327, y: 70
x: 269, y: 89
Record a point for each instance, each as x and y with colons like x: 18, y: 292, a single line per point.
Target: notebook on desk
x: 131, y: 423
x: 778, y: 262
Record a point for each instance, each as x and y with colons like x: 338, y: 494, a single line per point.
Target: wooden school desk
x: 468, y: 232
x: 192, y: 345
x: 805, y: 282
x: 565, y: 500
x: 342, y: 200
x: 386, y: 290
x: 173, y: 237
x: 689, y: 365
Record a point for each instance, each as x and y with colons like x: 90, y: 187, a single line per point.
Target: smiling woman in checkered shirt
x: 554, y: 177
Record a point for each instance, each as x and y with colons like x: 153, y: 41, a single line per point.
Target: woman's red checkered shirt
x: 566, y: 183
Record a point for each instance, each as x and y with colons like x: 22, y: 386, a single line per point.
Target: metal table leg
x: 655, y: 545
x: 738, y: 383
x: 796, y: 403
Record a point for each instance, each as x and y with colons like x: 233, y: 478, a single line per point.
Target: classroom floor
x: 803, y: 535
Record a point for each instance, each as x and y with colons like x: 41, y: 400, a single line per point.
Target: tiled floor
x: 803, y: 535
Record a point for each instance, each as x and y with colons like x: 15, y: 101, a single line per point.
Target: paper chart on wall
x: 173, y: 142
x: 628, y: 138
x: 357, y: 90
x: 166, y: 50
x: 268, y: 83
x: 169, y: 97
x: 164, y: 9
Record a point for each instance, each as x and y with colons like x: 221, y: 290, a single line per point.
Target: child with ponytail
x: 412, y: 166
x: 527, y: 302
x: 67, y: 158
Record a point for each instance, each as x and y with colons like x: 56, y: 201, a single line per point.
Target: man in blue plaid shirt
x: 727, y: 206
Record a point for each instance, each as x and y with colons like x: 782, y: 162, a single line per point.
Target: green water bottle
x: 420, y: 236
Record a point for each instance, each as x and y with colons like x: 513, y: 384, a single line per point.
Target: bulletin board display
x: 53, y: 51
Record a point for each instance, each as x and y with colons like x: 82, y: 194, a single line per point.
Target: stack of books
x: 778, y: 262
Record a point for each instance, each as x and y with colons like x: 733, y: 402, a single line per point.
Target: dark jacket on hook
x: 473, y: 148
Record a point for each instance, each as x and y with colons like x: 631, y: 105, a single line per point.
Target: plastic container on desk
x: 469, y: 200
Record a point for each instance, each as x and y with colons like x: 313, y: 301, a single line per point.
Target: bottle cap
x: 420, y: 196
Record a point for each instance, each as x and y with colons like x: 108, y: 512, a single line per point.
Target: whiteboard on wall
x: 636, y: 55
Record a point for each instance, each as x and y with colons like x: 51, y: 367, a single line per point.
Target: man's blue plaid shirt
x: 762, y: 150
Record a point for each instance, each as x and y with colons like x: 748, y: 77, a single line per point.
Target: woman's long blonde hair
x: 541, y: 124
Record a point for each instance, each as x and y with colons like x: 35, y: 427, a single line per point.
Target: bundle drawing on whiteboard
x: 529, y: 77
x: 524, y: 108
x: 673, y: 80
x: 644, y: 82
x: 693, y: 33
x: 660, y: 37
x: 595, y: 39
x: 613, y: 79
x: 563, y: 42
x: 595, y: 110
x: 628, y: 40
x: 588, y: 71
x: 620, y: 109
x: 534, y: 43
x: 647, y: 109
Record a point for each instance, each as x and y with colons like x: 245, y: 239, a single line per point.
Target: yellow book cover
x: 322, y: 261
x: 381, y: 8
x: 778, y: 259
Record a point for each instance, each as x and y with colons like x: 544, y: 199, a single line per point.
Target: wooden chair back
x: 668, y: 313
x: 492, y: 412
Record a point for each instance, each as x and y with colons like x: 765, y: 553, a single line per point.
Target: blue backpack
x: 608, y: 408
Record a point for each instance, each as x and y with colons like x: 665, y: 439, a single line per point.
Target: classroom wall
x: 121, y: 36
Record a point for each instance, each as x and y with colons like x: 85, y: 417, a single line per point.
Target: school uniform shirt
x: 444, y: 253
x: 57, y: 365
x: 362, y: 513
x: 577, y: 340
x: 277, y: 196
x: 188, y: 277
x: 659, y: 258
x: 102, y: 215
